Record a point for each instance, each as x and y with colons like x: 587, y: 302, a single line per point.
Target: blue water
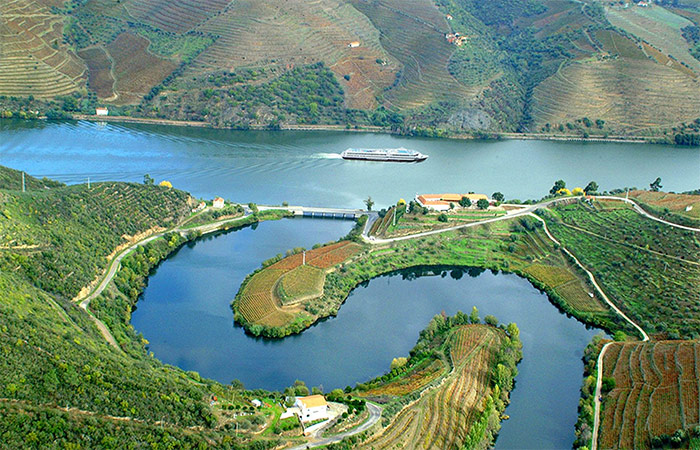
x: 185, y: 314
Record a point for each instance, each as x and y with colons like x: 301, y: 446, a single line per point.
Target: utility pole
x: 303, y: 262
x: 88, y: 183
x: 23, y: 189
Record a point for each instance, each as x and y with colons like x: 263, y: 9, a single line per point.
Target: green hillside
x: 417, y: 66
x: 61, y: 384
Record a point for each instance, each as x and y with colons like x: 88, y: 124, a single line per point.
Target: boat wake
x: 327, y: 156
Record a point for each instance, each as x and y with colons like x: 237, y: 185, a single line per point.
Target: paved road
x: 375, y: 413
x: 641, y: 211
x: 116, y: 264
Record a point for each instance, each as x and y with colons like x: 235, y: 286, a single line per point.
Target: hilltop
x: 427, y: 67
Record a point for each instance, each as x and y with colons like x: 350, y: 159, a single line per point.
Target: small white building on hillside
x: 218, y: 203
x: 101, y: 111
x: 311, y: 408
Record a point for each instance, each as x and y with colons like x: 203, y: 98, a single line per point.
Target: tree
x: 591, y: 188
x: 464, y: 202
x: 398, y: 362
x: 442, y: 217
x: 452, y: 205
x: 474, y: 316
x: 300, y: 388
x: 558, y: 185
x: 656, y: 185
x: 147, y: 179
x: 482, y: 203
x: 608, y: 384
x: 369, y: 203
x: 498, y: 196
x: 491, y: 320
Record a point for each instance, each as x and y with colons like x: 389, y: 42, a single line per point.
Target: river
x: 185, y: 314
x: 305, y: 168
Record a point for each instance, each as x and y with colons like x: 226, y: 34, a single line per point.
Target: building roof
x: 446, y: 199
x: 313, y: 401
x: 218, y: 199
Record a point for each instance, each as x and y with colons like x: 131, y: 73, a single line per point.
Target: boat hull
x: 384, y: 158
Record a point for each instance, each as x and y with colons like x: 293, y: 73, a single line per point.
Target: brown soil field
x: 99, y: 71
x: 135, y: 69
x: 441, y: 417
x: 656, y: 392
x: 33, y: 59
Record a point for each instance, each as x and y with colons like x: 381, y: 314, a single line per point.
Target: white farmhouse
x: 313, y: 407
x: 101, y: 111
x: 218, y: 203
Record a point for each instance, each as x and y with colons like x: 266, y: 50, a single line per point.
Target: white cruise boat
x: 384, y: 154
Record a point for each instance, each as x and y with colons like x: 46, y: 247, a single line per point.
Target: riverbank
x: 375, y: 129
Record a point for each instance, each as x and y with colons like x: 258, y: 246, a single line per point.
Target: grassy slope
x: 55, y: 241
x: 61, y: 384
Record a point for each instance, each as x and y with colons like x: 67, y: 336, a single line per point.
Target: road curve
x: 643, y: 212
x: 116, y: 264
x: 375, y: 413
x: 599, y: 363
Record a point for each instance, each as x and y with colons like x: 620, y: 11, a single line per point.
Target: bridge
x: 320, y: 213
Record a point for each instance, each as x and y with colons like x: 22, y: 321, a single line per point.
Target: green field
x: 648, y: 269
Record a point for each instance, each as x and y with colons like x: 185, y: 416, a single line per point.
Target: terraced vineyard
x: 659, y: 27
x: 269, y: 298
x: 33, y: 59
x: 177, y: 16
x: 300, y: 283
x: 296, y: 32
x: 414, y: 32
x: 606, y: 89
x: 419, y: 377
x: 443, y: 416
x: 649, y: 270
x: 655, y: 393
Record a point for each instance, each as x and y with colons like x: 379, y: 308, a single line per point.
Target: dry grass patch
x: 677, y: 203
